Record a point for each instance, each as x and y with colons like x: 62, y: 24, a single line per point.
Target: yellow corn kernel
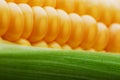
x: 91, y: 50
x: 102, y: 37
x: 106, y: 12
x: 23, y: 42
x: 41, y: 44
x: 54, y: 45
x: 80, y: 7
x: 40, y: 25
x: 66, y: 47
x: 66, y: 5
x: 51, y: 3
x: 36, y: 2
x: 28, y: 20
x: 53, y: 27
x: 65, y: 27
x: 21, y: 1
x: 116, y: 8
x: 114, y: 41
x: 16, y: 25
x: 90, y: 32
x: 77, y: 32
x: 78, y: 49
x: 9, y: 0
x: 4, y: 17
x: 93, y: 9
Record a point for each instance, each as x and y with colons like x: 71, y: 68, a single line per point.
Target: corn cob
x: 47, y: 27
x: 57, y: 29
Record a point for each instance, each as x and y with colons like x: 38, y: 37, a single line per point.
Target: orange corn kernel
x: 53, y: 27
x: 65, y: 27
x: 102, y: 37
x: 21, y: 1
x: 114, y: 41
x: 8, y: 0
x: 4, y: 17
x: 80, y: 7
x: 93, y: 9
x: 51, y: 3
x: 66, y: 5
x: 90, y: 32
x: 36, y: 2
x: 77, y: 32
x: 16, y: 25
x: 116, y: 8
x: 28, y: 20
x: 40, y: 25
x: 106, y: 11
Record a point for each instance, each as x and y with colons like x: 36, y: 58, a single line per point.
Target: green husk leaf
x: 29, y: 63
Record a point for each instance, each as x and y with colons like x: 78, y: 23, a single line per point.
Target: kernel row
x: 106, y: 11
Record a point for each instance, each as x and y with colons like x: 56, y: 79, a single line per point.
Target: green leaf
x: 29, y: 63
